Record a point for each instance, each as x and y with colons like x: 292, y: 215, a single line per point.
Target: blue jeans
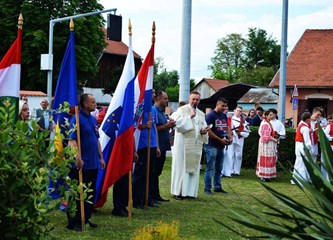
x: 214, y: 159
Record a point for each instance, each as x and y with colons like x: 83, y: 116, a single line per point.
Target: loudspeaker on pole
x: 114, y: 25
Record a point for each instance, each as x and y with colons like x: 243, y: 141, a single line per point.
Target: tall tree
x: 261, y: 49
x: 228, y: 59
x: 89, y: 38
x: 253, y: 60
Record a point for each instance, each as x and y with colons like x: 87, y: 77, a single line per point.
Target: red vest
x: 229, y: 122
x: 315, y: 134
x: 299, y: 136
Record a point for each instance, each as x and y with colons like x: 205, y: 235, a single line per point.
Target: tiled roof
x: 216, y: 84
x: 32, y: 93
x: 310, y: 64
x: 262, y: 95
x: 117, y: 48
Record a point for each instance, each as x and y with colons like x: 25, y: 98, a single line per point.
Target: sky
x: 213, y: 20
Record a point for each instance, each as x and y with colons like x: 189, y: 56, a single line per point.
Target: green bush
x: 291, y: 219
x: 162, y: 231
x: 286, y: 151
x: 25, y: 163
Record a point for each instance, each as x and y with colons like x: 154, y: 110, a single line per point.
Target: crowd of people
x: 188, y: 131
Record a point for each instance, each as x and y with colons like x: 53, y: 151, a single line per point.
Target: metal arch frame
x: 50, y: 54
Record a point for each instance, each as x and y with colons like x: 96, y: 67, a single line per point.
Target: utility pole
x: 283, y: 63
x: 185, y: 54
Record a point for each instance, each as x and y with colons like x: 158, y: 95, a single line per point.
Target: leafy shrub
x: 25, y: 163
x: 286, y: 151
x: 163, y: 231
x: 291, y: 219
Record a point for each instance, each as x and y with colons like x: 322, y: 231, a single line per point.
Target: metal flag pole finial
x: 153, y: 32
x: 129, y: 27
x: 71, y: 24
x: 20, y: 21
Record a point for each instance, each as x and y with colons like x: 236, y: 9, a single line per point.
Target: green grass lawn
x: 195, y: 216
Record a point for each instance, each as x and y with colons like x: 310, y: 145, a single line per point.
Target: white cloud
x: 211, y: 20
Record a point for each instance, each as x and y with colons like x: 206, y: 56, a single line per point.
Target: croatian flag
x: 143, y: 91
x: 10, y: 75
x: 116, y: 132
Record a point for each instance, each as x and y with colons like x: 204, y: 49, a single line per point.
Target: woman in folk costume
x: 303, y: 134
x: 315, y: 117
x: 329, y: 134
x: 266, y: 163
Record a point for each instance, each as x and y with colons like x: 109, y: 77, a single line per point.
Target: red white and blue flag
x: 116, y: 132
x: 143, y: 91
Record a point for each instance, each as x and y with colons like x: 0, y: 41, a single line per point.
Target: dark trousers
x: 157, y: 171
x: 89, y: 176
x: 120, y: 194
x: 139, y: 176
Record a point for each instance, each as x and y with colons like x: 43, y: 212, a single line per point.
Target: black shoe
x: 160, y: 199
x: 235, y: 174
x: 208, y: 193
x: 151, y: 204
x: 190, y: 197
x: 225, y: 176
x: 77, y: 227
x: 125, y: 211
x: 220, y: 191
x: 179, y: 197
x: 263, y: 179
x: 157, y: 202
x: 119, y: 213
x: 138, y: 206
x: 92, y: 225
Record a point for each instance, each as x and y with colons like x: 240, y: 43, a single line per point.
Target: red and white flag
x: 143, y: 91
x: 10, y: 74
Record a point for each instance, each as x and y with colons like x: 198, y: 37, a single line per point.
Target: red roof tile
x: 32, y: 93
x: 310, y: 62
x: 216, y: 84
x: 118, y: 48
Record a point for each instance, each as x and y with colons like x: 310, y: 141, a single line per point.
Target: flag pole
x: 130, y: 202
x: 71, y: 27
x: 80, y: 170
x: 148, y: 163
x: 149, y: 134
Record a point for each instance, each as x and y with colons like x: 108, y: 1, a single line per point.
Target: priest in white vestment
x: 190, y: 135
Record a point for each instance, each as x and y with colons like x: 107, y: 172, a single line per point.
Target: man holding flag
x: 144, y: 120
x: 89, y: 159
x: 117, y: 140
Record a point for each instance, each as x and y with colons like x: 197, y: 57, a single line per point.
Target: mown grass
x: 196, y: 217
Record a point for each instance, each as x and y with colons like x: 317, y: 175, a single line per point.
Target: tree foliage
x: 227, y: 62
x: 253, y: 60
x: 89, y: 39
x: 166, y: 80
x: 26, y: 160
x: 261, y: 50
